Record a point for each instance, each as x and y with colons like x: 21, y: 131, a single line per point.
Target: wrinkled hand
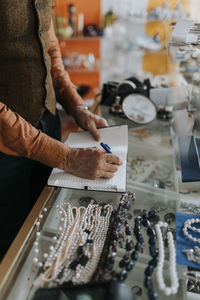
x: 91, y: 163
x: 89, y: 121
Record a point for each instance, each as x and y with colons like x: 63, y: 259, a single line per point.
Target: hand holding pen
x: 91, y: 163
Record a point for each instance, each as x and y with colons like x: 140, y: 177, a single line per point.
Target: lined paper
x: 117, y: 138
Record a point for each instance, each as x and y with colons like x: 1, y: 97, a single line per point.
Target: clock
x: 139, y: 109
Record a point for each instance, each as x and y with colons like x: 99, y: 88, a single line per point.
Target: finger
x: 100, y: 122
x: 107, y: 175
x: 94, y: 131
x: 113, y: 159
x: 110, y: 168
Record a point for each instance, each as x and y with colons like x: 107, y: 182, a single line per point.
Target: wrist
x: 65, y: 161
x: 78, y: 108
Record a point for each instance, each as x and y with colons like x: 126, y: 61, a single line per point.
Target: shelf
x: 79, y: 38
x: 95, y: 70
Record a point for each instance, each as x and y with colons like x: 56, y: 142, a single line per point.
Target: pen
x: 106, y: 147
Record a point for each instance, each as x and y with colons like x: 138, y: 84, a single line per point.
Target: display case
x: 18, y: 272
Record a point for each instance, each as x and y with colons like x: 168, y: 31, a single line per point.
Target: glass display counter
x: 152, y: 190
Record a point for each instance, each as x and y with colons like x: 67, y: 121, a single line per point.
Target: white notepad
x: 117, y: 138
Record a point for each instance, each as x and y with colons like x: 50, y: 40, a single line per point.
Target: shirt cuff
x: 49, y: 151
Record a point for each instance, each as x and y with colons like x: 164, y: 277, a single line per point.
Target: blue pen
x: 106, y: 147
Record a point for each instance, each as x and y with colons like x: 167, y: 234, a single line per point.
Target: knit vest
x: 25, y: 77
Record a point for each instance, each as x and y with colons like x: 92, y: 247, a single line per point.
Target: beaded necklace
x: 119, y: 222
x: 78, y: 246
x: 172, y: 262
x: 130, y: 258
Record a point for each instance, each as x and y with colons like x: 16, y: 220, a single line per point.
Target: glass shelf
x: 24, y: 273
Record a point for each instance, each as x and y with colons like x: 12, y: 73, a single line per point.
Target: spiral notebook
x: 117, y: 138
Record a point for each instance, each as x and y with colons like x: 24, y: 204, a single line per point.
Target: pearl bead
x: 39, y: 264
x: 35, y: 259
x: 45, y: 209
x: 60, y: 228
x: 40, y: 216
x: 38, y: 223
x: 36, y: 250
x: 167, y: 291
x: 37, y: 233
x: 45, y: 255
x: 51, y: 248
x: 36, y: 243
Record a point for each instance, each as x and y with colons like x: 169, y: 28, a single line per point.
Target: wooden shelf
x: 79, y: 38
x: 74, y: 70
x: 83, y: 45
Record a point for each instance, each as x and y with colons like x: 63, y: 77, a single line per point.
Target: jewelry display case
x: 21, y: 287
x: 17, y: 281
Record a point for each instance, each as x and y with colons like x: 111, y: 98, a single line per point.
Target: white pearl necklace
x: 79, y: 225
x: 99, y: 240
x: 86, y: 222
x: 188, y: 225
x: 172, y: 261
x: 98, y: 226
x: 36, y: 243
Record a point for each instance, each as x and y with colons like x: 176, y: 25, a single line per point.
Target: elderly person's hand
x: 90, y: 163
x: 89, y: 121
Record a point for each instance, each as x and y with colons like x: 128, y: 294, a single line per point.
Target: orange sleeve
x: 66, y: 93
x: 18, y: 137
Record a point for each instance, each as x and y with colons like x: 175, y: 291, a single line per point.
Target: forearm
x: 66, y: 93
x: 18, y: 137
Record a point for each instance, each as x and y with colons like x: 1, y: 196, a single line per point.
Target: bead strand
x: 97, y: 245
x: 120, y: 222
x: 36, y: 243
x: 172, y: 262
x: 188, y: 225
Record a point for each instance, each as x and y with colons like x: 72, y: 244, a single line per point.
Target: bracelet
x: 188, y: 225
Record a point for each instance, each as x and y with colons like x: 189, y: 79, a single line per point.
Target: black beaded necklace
x: 130, y: 258
x: 153, y: 252
x: 130, y: 263
x: 120, y: 221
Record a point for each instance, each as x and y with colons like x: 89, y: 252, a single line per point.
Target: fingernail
x: 97, y: 138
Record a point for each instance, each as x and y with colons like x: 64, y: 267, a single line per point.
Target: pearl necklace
x: 172, y: 262
x: 82, y: 228
x: 98, y: 244
x: 50, y: 266
x: 72, y: 269
x: 188, y: 225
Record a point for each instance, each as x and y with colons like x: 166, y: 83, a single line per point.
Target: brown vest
x: 25, y: 78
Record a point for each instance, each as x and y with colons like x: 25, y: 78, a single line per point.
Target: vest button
x: 46, y: 82
x: 40, y: 33
x: 37, y: 5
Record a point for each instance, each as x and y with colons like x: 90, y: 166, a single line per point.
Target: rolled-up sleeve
x: 20, y: 138
x: 65, y: 90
